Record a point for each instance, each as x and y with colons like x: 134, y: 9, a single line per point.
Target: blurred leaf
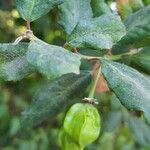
x: 44, y: 140
x: 124, y: 138
x: 31, y: 145
x: 146, y: 2
x: 114, y: 119
x: 13, y: 64
x: 131, y: 87
x: 136, y: 4
x: 4, y: 119
x: 141, y: 60
x: 140, y: 130
x: 14, y: 126
x: 99, y: 7
x: 4, y: 111
x: 138, y: 32
x: 130, y: 146
x: 52, y: 61
x: 97, y: 33
x: 31, y: 10
x: 115, y: 103
x: 72, y: 11
x: 106, y: 141
x: 54, y: 97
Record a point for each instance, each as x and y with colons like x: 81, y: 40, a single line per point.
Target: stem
x: 112, y: 57
x: 28, y: 25
x: 88, y: 57
x: 94, y: 84
x: 116, y: 57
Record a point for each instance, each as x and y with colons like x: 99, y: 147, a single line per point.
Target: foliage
x: 92, y: 48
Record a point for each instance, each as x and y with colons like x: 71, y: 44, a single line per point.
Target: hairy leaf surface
x: 131, y: 87
x: 31, y: 10
x: 53, y: 98
x: 97, y: 33
x: 99, y: 8
x: 138, y: 32
x: 52, y: 61
x: 13, y: 64
x: 72, y: 11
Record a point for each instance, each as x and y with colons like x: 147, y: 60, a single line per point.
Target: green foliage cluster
x: 59, y: 74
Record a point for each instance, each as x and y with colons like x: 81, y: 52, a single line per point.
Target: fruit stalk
x: 94, y: 84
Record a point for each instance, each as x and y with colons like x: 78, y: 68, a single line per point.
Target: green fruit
x: 66, y: 142
x: 82, y: 123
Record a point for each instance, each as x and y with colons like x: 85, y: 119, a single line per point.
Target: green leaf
x: 13, y: 64
x: 140, y: 131
x: 72, y: 11
x: 86, y: 64
x: 141, y: 60
x: 131, y: 87
x: 99, y: 7
x: 54, y: 97
x: 106, y: 141
x: 115, y: 103
x: 31, y: 10
x: 146, y: 2
x: 14, y: 126
x: 136, y: 4
x: 52, y: 61
x: 97, y: 33
x: 138, y: 32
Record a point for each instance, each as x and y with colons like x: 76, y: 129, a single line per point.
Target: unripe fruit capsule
x: 66, y: 142
x: 82, y: 123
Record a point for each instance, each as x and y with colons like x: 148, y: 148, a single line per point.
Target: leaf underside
x: 13, y: 63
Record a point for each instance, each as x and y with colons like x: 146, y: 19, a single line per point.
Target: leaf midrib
x: 32, y: 7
